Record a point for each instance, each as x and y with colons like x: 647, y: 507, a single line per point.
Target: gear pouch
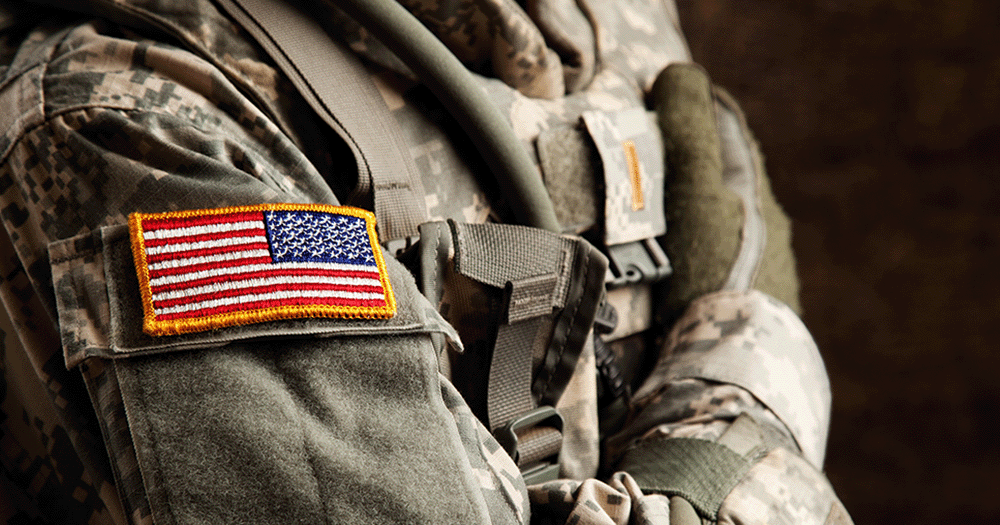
x: 299, y: 420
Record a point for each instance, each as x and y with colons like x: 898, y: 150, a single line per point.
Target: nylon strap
x: 338, y: 87
x: 536, y: 444
x: 509, y: 388
x: 540, y: 297
x: 525, y: 262
x: 700, y: 471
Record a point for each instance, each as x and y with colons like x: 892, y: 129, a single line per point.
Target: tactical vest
x: 578, y: 162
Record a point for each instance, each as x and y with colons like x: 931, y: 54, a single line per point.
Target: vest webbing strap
x: 509, y: 387
x: 338, y: 87
x: 525, y: 263
x: 700, y: 471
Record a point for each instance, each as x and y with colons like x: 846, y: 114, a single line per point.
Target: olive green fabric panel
x: 344, y: 429
x: 700, y: 471
x: 704, y: 217
x: 569, y: 164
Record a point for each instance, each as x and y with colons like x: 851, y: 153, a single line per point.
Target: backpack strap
x: 338, y: 87
x: 451, y: 82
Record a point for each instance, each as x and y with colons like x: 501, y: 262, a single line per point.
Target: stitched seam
x: 434, y: 275
x: 152, y: 443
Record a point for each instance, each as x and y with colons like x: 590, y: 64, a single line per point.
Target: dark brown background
x: 881, y: 123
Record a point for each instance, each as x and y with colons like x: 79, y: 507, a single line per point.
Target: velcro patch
x: 205, y: 269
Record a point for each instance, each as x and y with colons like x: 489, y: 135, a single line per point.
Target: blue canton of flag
x: 319, y: 237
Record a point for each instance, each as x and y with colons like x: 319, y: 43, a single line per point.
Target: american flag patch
x: 206, y: 269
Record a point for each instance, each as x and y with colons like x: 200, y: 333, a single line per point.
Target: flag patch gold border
x: 159, y: 324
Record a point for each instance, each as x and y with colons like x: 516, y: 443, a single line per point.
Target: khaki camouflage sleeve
x: 94, y: 125
x: 733, y: 420
x: 731, y: 424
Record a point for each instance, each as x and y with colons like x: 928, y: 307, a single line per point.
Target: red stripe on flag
x: 200, y: 220
x: 202, y: 237
x: 253, y: 305
x: 277, y: 287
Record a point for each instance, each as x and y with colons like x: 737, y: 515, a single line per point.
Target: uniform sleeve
x: 730, y: 427
x: 310, y: 420
x: 734, y: 418
x: 95, y: 125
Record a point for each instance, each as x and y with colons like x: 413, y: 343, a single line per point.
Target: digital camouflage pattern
x: 631, y: 41
x: 100, y: 119
x: 580, y: 455
x: 759, y: 344
x: 806, y: 495
x: 53, y: 466
x: 618, y: 502
x: 633, y: 179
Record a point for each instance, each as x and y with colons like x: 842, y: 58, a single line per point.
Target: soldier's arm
x: 731, y: 424
x: 291, y: 420
x: 733, y: 420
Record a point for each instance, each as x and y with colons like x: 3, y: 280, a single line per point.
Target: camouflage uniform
x: 160, y: 105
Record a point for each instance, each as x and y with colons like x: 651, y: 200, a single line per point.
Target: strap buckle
x: 397, y: 246
x: 509, y: 435
x: 636, y: 262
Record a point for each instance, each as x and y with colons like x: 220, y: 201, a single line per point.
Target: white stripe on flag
x: 229, y: 256
x: 214, y: 243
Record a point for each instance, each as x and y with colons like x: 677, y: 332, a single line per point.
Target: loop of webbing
x: 548, y: 296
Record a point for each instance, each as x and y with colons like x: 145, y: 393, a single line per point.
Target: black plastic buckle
x: 397, y: 246
x: 636, y: 262
x: 606, y: 318
x: 506, y: 435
